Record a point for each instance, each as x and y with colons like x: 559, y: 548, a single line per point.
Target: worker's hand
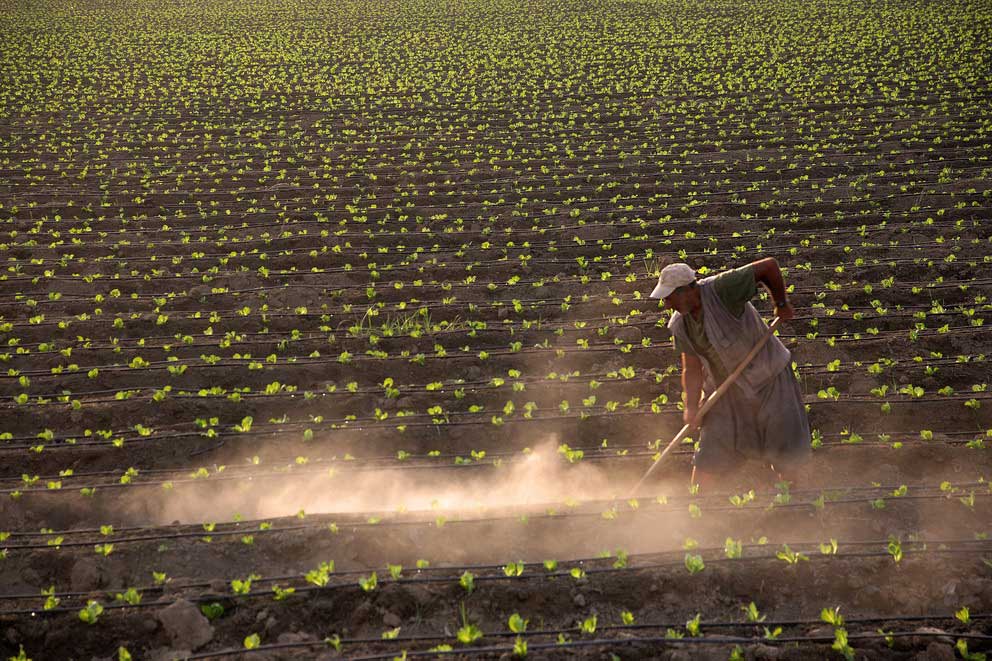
x: 786, y: 313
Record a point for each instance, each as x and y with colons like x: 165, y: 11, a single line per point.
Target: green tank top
x: 734, y: 288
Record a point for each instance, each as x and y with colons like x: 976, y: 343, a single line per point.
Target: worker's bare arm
x: 692, y: 386
x: 768, y: 273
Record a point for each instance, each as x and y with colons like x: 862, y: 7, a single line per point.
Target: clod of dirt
x: 361, y: 614
x: 167, y: 654
x: 422, y: 595
x: 85, y: 576
x: 762, y: 652
x: 289, y: 637
x: 820, y: 632
x: 271, y: 625
x: 629, y: 335
x: 184, y: 623
x: 30, y: 577
x: 198, y: 292
x: 937, y: 652
x: 391, y: 619
x: 921, y: 641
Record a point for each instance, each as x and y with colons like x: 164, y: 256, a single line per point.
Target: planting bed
x: 324, y: 328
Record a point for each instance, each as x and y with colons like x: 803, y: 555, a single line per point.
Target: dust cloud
x: 542, y: 477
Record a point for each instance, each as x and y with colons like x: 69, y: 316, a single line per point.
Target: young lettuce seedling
x: 369, y: 584
x: 91, y: 612
x: 468, y: 634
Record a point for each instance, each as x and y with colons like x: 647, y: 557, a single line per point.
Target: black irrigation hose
x: 592, y: 276
x: 391, y: 462
x: 640, y: 172
x: 511, y: 185
x: 207, y: 598
x: 945, y: 96
x: 535, y: 325
x: 635, y: 128
x: 560, y: 227
x: 162, y: 365
x: 413, y: 255
x: 566, y: 280
x: 844, y: 149
x: 837, y: 205
x: 881, y: 491
x: 408, y: 264
x: 490, y: 567
x: 349, y: 467
x: 726, y: 117
x: 453, y: 249
x: 557, y: 516
x: 410, y: 236
x: 307, y: 209
x: 395, y: 270
x: 437, y: 250
x: 420, y: 570
x: 431, y: 201
x: 567, y: 326
x: 459, y: 306
x: 474, y: 386
x: 504, y: 111
x: 343, y: 425
x: 654, y: 641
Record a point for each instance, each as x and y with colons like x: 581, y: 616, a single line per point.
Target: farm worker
x: 714, y: 326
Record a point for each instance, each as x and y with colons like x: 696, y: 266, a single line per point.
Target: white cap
x: 672, y: 277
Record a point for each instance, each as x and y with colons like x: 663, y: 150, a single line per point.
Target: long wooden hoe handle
x: 710, y: 401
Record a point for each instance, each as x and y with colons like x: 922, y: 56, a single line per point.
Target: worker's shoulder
x: 675, y: 322
x: 740, y: 272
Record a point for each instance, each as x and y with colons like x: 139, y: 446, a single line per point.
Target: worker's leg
x: 722, y: 430
x: 784, y: 426
x: 707, y: 482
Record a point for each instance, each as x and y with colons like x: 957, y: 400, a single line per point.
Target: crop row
x: 241, y: 258
x: 612, y: 172
x: 295, y: 234
x: 325, y: 578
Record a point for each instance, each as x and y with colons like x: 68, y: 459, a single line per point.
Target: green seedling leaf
x: 91, y: 612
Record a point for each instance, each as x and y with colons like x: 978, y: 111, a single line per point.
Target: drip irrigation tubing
x: 345, y: 425
x: 895, y: 367
x: 412, y: 261
x: 559, y: 183
x: 207, y: 598
x: 415, y: 305
x: 638, y: 129
x: 535, y: 514
x: 862, y: 231
x: 523, y: 326
x: 392, y: 462
x: 381, y: 233
x: 837, y: 205
x: 627, y: 157
x: 585, y: 412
